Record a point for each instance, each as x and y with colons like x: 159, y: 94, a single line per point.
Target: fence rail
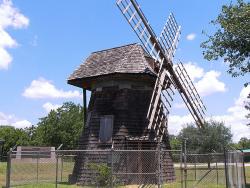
x: 113, y: 168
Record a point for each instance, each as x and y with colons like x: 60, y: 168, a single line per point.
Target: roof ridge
x: 117, y: 47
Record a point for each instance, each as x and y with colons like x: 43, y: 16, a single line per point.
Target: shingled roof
x: 130, y: 59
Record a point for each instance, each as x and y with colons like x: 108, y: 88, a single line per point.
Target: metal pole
x: 61, y: 167
x: 226, y: 169
x: 56, y: 169
x: 185, y: 162
x: 159, y: 166
x: 112, y: 163
x: 236, y: 164
x: 181, y: 159
x: 217, y: 173
x: 244, y: 168
x: 8, y: 169
x: 37, y: 155
x: 195, y: 176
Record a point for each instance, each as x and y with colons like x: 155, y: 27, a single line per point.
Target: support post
x: 8, y: 169
x: 62, y: 168
x: 236, y: 164
x: 226, y: 169
x: 37, y: 166
x: 56, y: 169
x: 159, y: 165
x: 195, y: 175
x: 112, y: 163
x: 84, y: 106
x: 181, y: 165
x: 244, y: 168
x: 217, y: 173
x: 185, y: 163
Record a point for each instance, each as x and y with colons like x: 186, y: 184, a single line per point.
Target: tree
x: 232, y: 38
x: 244, y: 143
x: 61, y: 126
x: 13, y: 137
x: 212, y: 138
x: 175, y: 142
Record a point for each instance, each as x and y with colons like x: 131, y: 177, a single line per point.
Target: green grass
x: 46, y: 173
x: 2, y: 173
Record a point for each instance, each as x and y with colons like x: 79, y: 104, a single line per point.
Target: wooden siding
x: 129, y: 109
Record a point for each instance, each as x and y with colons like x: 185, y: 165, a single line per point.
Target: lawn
x: 46, y: 173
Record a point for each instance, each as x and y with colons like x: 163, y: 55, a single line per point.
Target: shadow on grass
x: 248, y: 185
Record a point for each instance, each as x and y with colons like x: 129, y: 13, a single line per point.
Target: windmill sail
x: 162, y: 50
x: 192, y: 94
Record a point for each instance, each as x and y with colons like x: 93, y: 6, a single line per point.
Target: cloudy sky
x: 42, y: 42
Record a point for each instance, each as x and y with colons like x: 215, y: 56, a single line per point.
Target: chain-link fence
x: 125, y: 168
x: 205, y: 170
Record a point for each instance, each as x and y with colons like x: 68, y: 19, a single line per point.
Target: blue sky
x: 42, y: 42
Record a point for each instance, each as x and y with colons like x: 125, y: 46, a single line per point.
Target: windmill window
x: 106, y: 128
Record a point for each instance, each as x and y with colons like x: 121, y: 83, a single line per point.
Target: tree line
x: 65, y: 125
x: 61, y: 126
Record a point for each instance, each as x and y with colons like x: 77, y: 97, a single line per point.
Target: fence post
x: 217, y: 173
x: 62, y: 168
x: 8, y: 170
x: 56, y: 169
x: 185, y: 163
x: 244, y: 168
x: 112, y: 163
x: 226, y: 169
x: 195, y: 175
x: 37, y: 156
x: 181, y: 159
x: 159, y: 165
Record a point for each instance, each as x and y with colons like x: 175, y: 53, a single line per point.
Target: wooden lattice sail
x: 162, y: 50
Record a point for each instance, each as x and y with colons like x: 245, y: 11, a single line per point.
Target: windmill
x: 169, y: 77
x: 132, y: 89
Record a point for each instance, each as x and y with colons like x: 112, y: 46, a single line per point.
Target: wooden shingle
x: 128, y: 59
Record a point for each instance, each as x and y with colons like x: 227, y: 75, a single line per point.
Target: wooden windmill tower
x: 132, y: 89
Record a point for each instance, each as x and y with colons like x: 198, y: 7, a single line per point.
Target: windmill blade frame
x: 162, y: 50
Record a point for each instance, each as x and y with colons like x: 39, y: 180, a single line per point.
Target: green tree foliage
x: 175, y: 142
x: 13, y: 137
x: 62, y: 126
x: 232, y: 38
x: 244, y: 143
x: 212, y: 138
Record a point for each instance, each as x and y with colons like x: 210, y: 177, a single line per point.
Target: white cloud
x: 9, y: 17
x: 43, y: 88
x: 191, y: 36
x: 234, y: 118
x: 176, y: 123
x: 193, y: 70
x: 48, y: 106
x: 210, y: 84
x: 206, y: 83
x: 22, y: 124
x: 13, y: 121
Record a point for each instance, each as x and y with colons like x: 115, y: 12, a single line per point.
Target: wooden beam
x: 84, y: 106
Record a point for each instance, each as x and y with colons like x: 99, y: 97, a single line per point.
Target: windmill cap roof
x: 130, y: 58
